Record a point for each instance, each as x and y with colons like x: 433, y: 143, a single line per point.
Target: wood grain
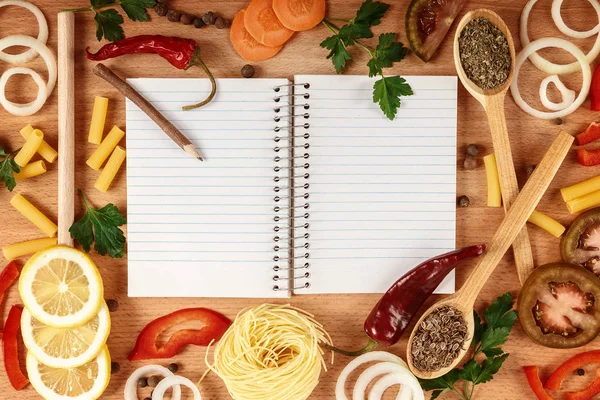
x: 342, y: 315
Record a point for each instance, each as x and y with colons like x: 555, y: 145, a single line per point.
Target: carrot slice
x: 245, y: 44
x: 299, y: 15
x: 262, y: 23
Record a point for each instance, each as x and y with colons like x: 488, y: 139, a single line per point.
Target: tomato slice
x: 559, y: 306
x: 580, y: 245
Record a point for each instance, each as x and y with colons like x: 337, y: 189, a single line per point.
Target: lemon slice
x: 65, y: 347
x: 61, y: 287
x: 86, y: 382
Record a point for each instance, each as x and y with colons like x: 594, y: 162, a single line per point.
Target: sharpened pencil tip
x: 200, y: 158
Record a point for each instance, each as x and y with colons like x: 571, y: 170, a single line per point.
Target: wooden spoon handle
x: 516, y: 218
x: 494, y: 108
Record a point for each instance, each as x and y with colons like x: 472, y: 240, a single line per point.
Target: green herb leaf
x: 8, y: 167
x: 494, y: 337
x: 101, y: 3
x: 108, y: 25
x: 387, y: 92
x: 136, y: 9
x: 479, y: 329
x: 437, y: 393
x: 494, y: 351
x: 471, y: 371
x: 370, y: 14
x: 491, y: 365
x: 102, y: 227
x: 498, y: 315
x: 386, y: 53
x: 338, y: 53
x: 443, y: 382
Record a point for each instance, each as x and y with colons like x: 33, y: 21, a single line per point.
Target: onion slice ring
x: 530, y: 49
x: 568, y: 95
x: 391, y: 379
x: 23, y: 110
x: 560, y: 23
x: 42, y: 35
x: 409, y: 390
x: 132, y: 382
x: 540, y: 62
x: 174, y: 381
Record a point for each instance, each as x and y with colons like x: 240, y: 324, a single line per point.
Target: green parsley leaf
x: 471, y: 371
x: 369, y: 14
x: 108, y: 25
x: 479, y: 329
x: 136, y: 9
x: 338, y: 53
x: 387, y: 92
x: 8, y: 167
x: 101, y: 3
x: 102, y: 227
x: 494, y: 337
x: 437, y: 393
x: 443, y: 382
x: 386, y: 53
x: 498, y: 315
x: 491, y: 365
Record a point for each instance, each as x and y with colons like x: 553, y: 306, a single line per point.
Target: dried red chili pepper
x: 394, y: 311
x: 146, y: 347
x: 17, y: 379
x: 181, y: 53
x: 8, y: 276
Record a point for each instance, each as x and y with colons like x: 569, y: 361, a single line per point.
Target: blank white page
x: 382, y: 193
x: 203, y: 229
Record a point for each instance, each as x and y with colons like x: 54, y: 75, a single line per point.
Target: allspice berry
x: 173, y: 16
x: 161, y: 9
x: 472, y: 150
x: 463, y: 201
x: 209, y: 18
x: 187, y: 19
x: 198, y: 23
x: 220, y: 23
x: 470, y: 163
x: 558, y: 121
x: 248, y: 71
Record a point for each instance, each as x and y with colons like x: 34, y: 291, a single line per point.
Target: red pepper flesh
x: 570, y: 366
x: 8, y: 276
x: 17, y: 379
x: 591, y: 134
x: 146, y: 347
x: 588, y: 158
x: 587, y: 393
x: 533, y: 378
x: 595, y: 90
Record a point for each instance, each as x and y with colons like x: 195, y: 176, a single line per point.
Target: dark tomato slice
x: 559, y: 306
x: 428, y: 22
x: 581, y: 244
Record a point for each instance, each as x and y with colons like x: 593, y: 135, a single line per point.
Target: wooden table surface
x: 342, y: 315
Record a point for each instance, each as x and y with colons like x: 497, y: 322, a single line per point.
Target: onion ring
x: 42, y: 35
x: 530, y: 49
x: 174, y: 381
x: 560, y: 24
x: 568, y: 95
x: 406, y: 391
x: 391, y: 379
x: 132, y: 382
x: 22, y: 110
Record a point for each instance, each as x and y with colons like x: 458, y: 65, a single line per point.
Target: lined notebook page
x: 202, y: 229
x: 382, y: 193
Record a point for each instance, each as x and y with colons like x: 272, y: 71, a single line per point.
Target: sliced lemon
x: 86, y: 382
x: 66, y: 347
x: 61, y: 287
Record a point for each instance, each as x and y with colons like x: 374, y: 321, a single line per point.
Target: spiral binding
x: 291, y: 189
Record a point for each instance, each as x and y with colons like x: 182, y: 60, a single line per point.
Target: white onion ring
x: 132, y: 382
x: 392, y: 379
x: 174, y: 381
x: 22, y: 110
x: 567, y: 95
x: 560, y: 24
x: 540, y: 62
x: 410, y: 385
x: 541, y: 44
x: 42, y: 35
x: 340, y: 393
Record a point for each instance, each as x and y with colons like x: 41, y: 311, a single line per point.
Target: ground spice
x: 439, y: 339
x: 484, y: 53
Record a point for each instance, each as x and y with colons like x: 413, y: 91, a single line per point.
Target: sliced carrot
x: 262, y: 23
x: 299, y: 15
x: 245, y: 44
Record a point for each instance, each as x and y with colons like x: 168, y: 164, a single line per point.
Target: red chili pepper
x: 8, y: 276
x: 181, y: 53
x: 146, y: 347
x: 587, y: 393
x: 390, y: 317
x: 588, y: 158
x: 531, y: 372
x: 570, y: 366
x: 595, y: 90
x: 11, y: 349
x: 591, y: 134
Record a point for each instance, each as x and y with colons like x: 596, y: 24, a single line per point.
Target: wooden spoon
x: 493, y: 102
x: 516, y: 217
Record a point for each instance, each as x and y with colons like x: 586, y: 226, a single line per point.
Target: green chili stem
x: 197, y: 61
x: 371, y: 344
x: 337, y: 19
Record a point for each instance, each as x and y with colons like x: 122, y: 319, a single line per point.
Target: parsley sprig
x: 487, y: 339
x: 102, y: 227
x: 109, y: 21
x: 387, y: 90
x: 8, y: 167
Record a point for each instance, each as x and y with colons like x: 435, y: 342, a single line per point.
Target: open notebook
x: 306, y: 187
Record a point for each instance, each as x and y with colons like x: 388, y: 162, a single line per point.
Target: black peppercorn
x: 472, y: 150
x: 187, y: 19
x: 248, y: 71
x: 153, y: 380
x: 173, y: 367
x: 220, y: 23
x: 209, y: 18
x: 173, y: 16
x: 198, y: 23
x: 463, y: 201
x: 114, y: 367
x: 580, y: 371
x: 558, y: 121
x: 112, y: 305
x: 142, y: 382
x: 470, y: 163
x: 161, y: 9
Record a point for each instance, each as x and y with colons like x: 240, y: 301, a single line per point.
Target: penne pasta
x: 584, y: 202
x: 17, y: 250
x: 110, y: 169
x: 34, y: 215
x: 580, y: 189
x: 98, y: 120
x: 32, y: 143
x: 31, y: 170
x: 548, y: 224
x: 106, y: 147
x: 493, y: 181
x: 45, y: 150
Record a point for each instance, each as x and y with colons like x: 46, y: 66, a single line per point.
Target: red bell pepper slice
x: 588, y: 158
x: 570, y: 366
x: 17, y: 379
x: 146, y: 347
x: 595, y: 90
x: 591, y: 134
x: 8, y: 276
x: 587, y: 393
x: 531, y: 372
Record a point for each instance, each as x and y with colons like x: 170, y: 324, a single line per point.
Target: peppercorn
x: 112, y: 305
x: 558, y: 121
x: 161, y: 9
x: 173, y: 367
x: 153, y: 381
x: 198, y: 23
x: 187, y: 19
x: 209, y: 18
x: 463, y: 201
x: 530, y: 169
x: 220, y: 23
x: 173, y: 16
x: 142, y: 382
x: 115, y: 367
x: 580, y: 371
x: 470, y: 163
x: 248, y: 71
x: 472, y: 150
